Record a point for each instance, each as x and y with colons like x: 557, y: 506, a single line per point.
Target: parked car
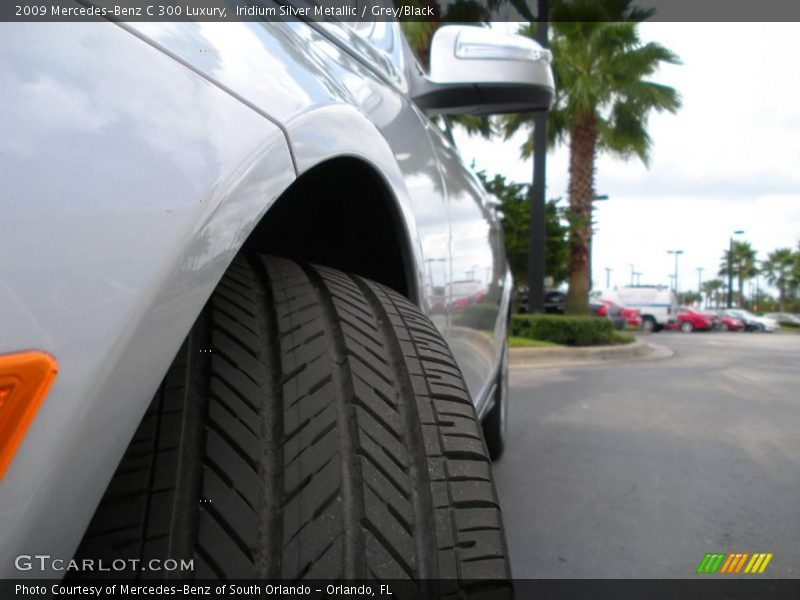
x: 728, y: 323
x: 554, y: 301
x: 220, y: 259
x: 608, y: 310
x: 690, y: 319
x: 632, y: 316
x: 658, y: 304
x: 752, y: 322
x: 784, y: 318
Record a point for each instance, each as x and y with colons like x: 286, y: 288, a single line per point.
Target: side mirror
x: 478, y: 71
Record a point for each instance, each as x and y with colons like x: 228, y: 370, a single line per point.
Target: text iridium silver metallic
x: 134, y: 162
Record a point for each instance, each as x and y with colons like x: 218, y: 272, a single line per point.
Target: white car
x: 752, y: 322
x: 782, y: 317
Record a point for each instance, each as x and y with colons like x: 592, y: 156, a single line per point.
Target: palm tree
x: 743, y: 266
x: 779, y: 268
x: 603, y: 100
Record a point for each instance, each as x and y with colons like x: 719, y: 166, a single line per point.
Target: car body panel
x: 654, y: 302
x: 783, y: 318
x: 698, y: 320
x: 132, y: 181
x: 752, y: 322
x: 121, y: 211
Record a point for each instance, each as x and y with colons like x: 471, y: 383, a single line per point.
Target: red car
x: 632, y: 316
x: 730, y: 323
x: 691, y: 319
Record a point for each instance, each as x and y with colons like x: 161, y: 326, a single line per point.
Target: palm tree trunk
x: 582, y: 146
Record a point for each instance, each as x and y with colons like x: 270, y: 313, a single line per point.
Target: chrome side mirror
x: 475, y: 70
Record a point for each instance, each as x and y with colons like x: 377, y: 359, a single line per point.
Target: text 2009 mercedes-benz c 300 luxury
x: 253, y: 307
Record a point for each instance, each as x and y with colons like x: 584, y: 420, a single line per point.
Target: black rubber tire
x: 687, y: 327
x: 313, y: 426
x: 495, y: 424
x: 649, y: 324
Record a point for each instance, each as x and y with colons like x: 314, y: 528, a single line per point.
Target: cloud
x: 728, y: 160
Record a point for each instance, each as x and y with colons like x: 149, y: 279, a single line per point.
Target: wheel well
x: 340, y: 214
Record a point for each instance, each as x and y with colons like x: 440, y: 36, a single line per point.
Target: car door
x: 479, y: 283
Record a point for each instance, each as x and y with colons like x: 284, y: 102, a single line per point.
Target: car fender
x: 336, y: 130
x: 111, y: 263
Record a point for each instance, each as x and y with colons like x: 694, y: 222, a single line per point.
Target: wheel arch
x: 341, y: 213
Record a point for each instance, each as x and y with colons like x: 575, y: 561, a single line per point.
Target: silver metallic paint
x: 135, y: 166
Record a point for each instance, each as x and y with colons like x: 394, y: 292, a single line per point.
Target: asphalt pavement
x: 637, y: 469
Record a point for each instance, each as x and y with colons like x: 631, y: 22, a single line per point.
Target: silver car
x: 224, y: 350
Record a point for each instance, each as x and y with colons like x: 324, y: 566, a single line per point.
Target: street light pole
x: 608, y: 277
x: 730, y: 266
x: 632, y: 272
x: 677, y: 253
x: 536, y: 243
x: 700, y: 283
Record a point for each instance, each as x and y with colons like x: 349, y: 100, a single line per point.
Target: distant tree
x: 604, y: 97
x: 794, y: 284
x: 689, y: 298
x: 712, y: 288
x: 743, y: 266
x: 516, y: 202
x: 779, y: 269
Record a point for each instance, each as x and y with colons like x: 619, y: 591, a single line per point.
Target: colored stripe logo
x: 721, y: 562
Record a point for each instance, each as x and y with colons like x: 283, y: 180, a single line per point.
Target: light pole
x: 730, y: 266
x: 536, y: 243
x: 638, y: 275
x: 677, y: 253
x: 700, y: 283
x: 608, y: 277
x: 632, y: 272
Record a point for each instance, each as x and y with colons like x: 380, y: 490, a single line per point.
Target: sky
x: 729, y: 160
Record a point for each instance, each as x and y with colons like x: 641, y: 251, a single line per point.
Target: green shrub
x: 477, y: 316
x: 567, y: 330
x: 790, y: 325
x: 620, y: 337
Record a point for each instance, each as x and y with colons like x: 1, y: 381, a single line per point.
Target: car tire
x: 495, y: 425
x: 687, y: 327
x: 649, y: 324
x: 314, y: 425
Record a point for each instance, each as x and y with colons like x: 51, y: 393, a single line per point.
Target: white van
x: 657, y: 303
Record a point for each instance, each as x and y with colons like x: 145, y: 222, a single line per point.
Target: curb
x: 531, y: 357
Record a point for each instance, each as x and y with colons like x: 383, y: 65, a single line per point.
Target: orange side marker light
x: 25, y: 379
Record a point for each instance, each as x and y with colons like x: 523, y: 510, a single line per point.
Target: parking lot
x: 637, y: 469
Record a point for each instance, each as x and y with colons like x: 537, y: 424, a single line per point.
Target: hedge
x: 567, y: 330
